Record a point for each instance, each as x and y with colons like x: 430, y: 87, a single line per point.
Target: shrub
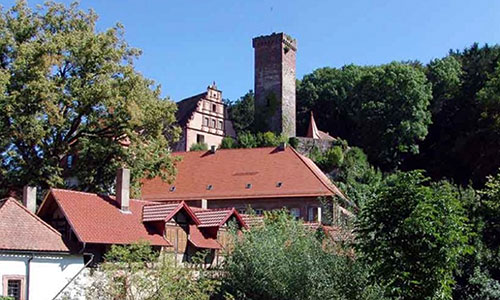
x: 199, y: 147
x: 228, y: 143
x: 284, y: 260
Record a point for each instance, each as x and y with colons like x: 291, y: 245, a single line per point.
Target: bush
x: 199, y: 147
x: 138, y: 272
x: 247, y: 140
x: 228, y: 143
x: 284, y: 260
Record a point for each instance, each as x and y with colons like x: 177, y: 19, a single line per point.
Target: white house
x: 35, y: 263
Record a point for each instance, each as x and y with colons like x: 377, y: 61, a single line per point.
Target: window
x: 13, y: 286
x: 295, y: 212
x: 214, y: 107
x: 205, y: 121
x: 259, y: 211
x: 213, y: 123
x: 69, y: 161
x: 220, y: 125
x: 200, y: 138
x: 313, y: 214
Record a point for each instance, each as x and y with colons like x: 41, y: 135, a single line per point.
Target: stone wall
x: 275, y: 83
x: 305, y: 145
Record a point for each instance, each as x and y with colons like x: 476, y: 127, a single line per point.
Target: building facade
x: 203, y: 120
x: 275, y: 108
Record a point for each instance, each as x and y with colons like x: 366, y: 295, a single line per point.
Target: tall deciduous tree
x: 384, y: 109
x: 413, y: 234
x: 70, y: 91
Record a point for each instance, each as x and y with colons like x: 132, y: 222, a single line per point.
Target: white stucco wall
x: 48, y: 273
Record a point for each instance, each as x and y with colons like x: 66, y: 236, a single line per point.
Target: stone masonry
x: 275, y: 56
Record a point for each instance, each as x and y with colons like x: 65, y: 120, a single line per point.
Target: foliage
x: 67, y: 89
x: 228, y: 143
x: 199, y: 147
x: 285, y: 260
x: 247, y: 139
x: 382, y: 109
x: 138, y: 272
x: 464, y: 137
x: 242, y: 111
x: 356, y: 177
x: 413, y: 234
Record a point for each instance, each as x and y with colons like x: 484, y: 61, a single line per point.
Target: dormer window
x: 172, y: 188
x: 248, y: 186
x: 279, y: 184
x: 210, y: 187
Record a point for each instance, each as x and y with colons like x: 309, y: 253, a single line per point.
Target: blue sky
x: 188, y: 44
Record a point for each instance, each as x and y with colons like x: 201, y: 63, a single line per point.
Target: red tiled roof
x: 271, y: 172
x: 22, y: 230
x: 98, y: 219
x: 200, y: 240
x: 252, y: 220
x: 217, y: 217
x: 165, y: 212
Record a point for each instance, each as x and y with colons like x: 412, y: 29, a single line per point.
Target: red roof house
x: 263, y: 178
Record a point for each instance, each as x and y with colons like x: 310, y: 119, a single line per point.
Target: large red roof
x: 23, y: 231
x: 97, y: 218
x: 241, y: 174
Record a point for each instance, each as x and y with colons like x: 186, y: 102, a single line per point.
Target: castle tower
x: 275, y: 83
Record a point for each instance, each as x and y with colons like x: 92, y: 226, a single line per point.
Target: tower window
x: 213, y: 123
x: 205, y: 121
x: 220, y: 125
x: 214, y: 107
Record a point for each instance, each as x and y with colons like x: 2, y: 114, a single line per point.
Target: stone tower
x: 275, y: 83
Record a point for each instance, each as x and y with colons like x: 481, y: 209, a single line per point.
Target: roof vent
x: 172, y: 188
x: 282, y: 146
x: 279, y: 184
x: 248, y: 186
x: 213, y: 148
x: 210, y: 187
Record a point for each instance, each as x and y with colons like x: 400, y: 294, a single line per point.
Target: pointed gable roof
x: 165, y: 212
x: 268, y: 172
x: 24, y: 231
x: 314, y: 133
x: 97, y: 218
x: 217, y: 217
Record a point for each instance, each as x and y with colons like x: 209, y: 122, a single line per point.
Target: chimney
x: 282, y: 146
x: 29, y: 198
x: 123, y: 189
x: 213, y: 148
x: 204, y: 203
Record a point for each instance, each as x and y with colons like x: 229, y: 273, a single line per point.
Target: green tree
x: 356, y: 177
x: 413, y: 233
x: 138, y: 272
x: 241, y: 112
x: 383, y: 109
x: 285, y: 260
x: 67, y: 89
x: 246, y: 140
x: 463, y: 139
